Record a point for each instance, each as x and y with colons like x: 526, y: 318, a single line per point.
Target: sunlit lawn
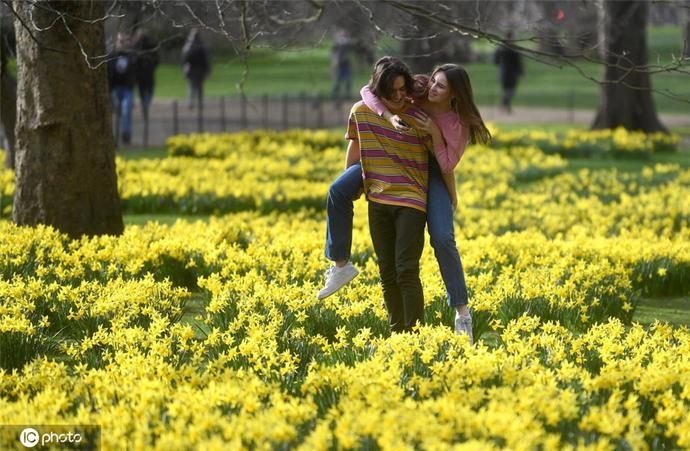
x: 307, y: 70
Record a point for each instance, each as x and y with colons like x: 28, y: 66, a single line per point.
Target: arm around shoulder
x: 373, y: 102
x: 451, y: 147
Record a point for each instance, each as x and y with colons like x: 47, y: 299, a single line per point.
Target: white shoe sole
x: 323, y: 294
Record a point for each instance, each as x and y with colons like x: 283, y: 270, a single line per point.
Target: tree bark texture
x: 65, y: 151
x: 626, y: 97
x: 685, y: 23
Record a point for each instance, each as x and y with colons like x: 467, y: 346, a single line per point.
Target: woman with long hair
x: 453, y: 120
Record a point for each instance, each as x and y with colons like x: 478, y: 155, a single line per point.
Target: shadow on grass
x: 193, y: 308
x: 681, y: 158
x: 673, y: 310
x: 166, y: 219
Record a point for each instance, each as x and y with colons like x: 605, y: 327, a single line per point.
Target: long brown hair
x: 463, y: 104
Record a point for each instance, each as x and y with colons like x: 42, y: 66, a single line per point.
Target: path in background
x: 279, y: 114
x: 169, y: 117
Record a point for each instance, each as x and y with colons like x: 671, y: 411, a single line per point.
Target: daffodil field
x: 208, y: 334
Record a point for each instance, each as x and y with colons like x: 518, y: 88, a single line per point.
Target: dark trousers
x: 398, y: 237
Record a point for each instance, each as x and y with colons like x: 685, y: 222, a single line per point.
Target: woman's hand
x: 399, y: 124
x: 425, y: 123
x: 396, y: 122
x: 454, y: 202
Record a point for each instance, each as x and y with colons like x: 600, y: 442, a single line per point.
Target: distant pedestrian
x: 510, y: 70
x: 8, y: 95
x: 146, y: 49
x: 366, y: 53
x: 122, y: 75
x: 341, y: 64
x: 196, y: 66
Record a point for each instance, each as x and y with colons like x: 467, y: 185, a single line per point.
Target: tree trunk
x: 685, y: 23
x: 65, y: 152
x: 8, y: 104
x: 626, y: 97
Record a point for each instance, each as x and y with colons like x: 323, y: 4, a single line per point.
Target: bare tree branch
x: 545, y: 57
x: 25, y: 26
x: 247, y: 24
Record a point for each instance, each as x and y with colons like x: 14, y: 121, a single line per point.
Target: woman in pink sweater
x: 453, y: 120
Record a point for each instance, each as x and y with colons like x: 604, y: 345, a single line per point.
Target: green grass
x: 683, y: 131
x: 554, y: 127
x: 542, y: 85
x: 193, y: 308
x: 166, y: 219
x: 675, y: 311
x: 143, y: 153
x: 307, y: 70
x: 288, y: 72
x: 664, y: 43
x: 560, y: 127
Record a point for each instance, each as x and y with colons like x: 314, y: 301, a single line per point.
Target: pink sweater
x: 455, y: 137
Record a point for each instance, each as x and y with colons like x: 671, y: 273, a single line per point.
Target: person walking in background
x: 341, y: 64
x: 394, y: 167
x: 122, y: 76
x: 509, y: 71
x: 146, y: 50
x: 147, y: 60
x: 8, y: 95
x: 196, y: 66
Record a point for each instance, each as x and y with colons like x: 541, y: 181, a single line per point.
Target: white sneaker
x: 336, y: 278
x: 463, y: 325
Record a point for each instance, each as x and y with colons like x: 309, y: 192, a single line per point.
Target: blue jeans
x: 123, y: 101
x: 442, y: 234
x: 340, y: 210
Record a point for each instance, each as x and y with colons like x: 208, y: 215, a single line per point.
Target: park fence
x: 168, y: 117
x: 282, y: 112
x: 228, y: 114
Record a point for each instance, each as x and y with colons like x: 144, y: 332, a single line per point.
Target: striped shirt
x: 394, y: 164
x: 456, y: 137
